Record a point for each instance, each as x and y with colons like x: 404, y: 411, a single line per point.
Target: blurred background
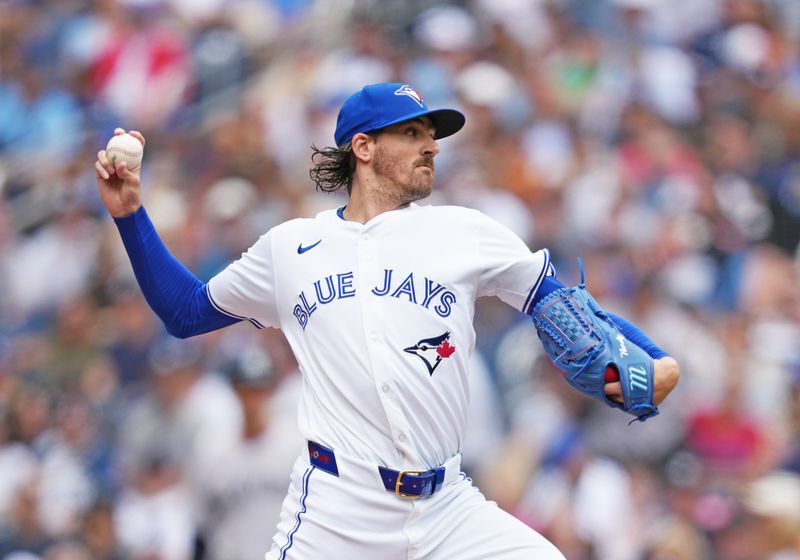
x: 657, y: 140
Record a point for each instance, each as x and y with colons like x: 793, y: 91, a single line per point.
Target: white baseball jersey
x: 379, y: 316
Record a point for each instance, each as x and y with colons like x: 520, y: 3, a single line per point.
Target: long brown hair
x: 332, y: 168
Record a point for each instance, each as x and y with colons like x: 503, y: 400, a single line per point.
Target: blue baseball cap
x: 377, y: 106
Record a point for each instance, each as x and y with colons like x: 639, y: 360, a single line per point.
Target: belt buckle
x: 399, y: 483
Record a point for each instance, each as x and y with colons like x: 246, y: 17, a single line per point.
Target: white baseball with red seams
x: 124, y: 147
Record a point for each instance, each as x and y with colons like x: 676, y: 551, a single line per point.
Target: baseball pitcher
x: 382, y: 329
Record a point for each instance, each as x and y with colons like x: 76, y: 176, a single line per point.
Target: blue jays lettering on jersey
x: 382, y: 334
x: 432, y: 295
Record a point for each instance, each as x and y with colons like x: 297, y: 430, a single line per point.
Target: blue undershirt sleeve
x: 637, y: 336
x: 631, y: 331
x: 176, y: 295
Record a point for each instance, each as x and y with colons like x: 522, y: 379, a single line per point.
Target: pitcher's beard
x: 418, y: 188
x: 403, y: 183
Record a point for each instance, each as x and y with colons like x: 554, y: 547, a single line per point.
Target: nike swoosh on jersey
x: 301, y: 249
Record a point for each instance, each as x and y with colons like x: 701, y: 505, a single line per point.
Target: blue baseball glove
x: 582, y: 342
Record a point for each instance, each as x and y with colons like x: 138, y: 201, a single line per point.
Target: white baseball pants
x: 352, y: 516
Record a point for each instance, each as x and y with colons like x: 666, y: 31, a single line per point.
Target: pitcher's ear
x: 362, y: 145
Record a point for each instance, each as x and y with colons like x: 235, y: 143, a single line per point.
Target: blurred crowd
x: 657, y: 140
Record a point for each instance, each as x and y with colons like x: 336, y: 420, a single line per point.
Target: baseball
x: 124, y: 147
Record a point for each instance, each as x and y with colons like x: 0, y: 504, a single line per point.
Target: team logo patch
x: 406, y: 90
x: 432, y: 350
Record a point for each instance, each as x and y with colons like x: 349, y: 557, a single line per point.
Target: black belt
x: 411, y: 484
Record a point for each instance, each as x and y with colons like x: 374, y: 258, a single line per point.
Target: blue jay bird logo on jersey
x: 406, y: 90
x: 432, y: 350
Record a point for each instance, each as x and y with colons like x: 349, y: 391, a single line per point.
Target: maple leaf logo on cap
x: 408, y: 91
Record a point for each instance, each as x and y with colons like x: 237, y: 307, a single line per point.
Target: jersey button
x: 365, y: 237
x: 401, y: 437
x: 385, y: 388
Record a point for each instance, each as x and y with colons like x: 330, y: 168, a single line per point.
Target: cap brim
x: 446, y: 121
